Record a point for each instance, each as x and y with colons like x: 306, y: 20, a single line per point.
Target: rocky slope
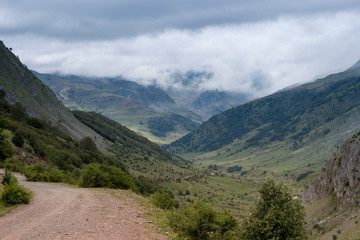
x: 340, y: 177
x: 39, y: 101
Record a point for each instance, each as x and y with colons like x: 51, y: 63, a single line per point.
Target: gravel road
x: 59, y: 211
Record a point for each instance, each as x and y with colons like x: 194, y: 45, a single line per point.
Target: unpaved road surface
x: 61, y: 212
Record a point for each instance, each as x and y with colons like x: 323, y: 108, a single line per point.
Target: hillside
x: 131, y: 104
x: 289, y: 114
x: 333, y: 198
x: 39, y: 101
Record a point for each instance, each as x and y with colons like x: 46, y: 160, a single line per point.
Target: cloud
x: 257, y: 57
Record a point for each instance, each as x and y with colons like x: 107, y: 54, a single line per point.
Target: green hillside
x: 288, y: 133
x: 133, y: 105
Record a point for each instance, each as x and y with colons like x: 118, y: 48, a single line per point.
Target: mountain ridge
x: 22, y: 86
x: 277, y: 116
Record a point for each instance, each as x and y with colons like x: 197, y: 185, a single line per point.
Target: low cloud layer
x: 257, y: 57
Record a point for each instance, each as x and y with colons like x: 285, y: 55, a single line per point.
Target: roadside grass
x: 153, y: 214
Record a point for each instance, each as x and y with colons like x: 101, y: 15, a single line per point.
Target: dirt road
x: 61, y: 212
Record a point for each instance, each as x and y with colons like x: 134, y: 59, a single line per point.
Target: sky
x: 251, y: 46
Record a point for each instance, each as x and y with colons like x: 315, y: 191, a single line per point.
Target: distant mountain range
x: 160, y: 115
x: 291, y: 132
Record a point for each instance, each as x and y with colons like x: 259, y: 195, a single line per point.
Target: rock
x: 340, y: 176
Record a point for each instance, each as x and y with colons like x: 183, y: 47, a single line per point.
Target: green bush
x: 276, y: 215
x: 14, y: 164
x: 15, y: 194
x: 18, y: 139
x: 199, y: 221
x: 162, y: 199
x: 41, y: 173
x: 8, y: 176
x: 101, y: 175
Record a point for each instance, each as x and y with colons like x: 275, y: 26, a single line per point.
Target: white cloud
x: 256, y: 57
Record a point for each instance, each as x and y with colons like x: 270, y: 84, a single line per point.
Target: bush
x: 41, y: 173
x: 14, y: 164
x: 101, y: 175
x: 276, y: 215
x: 15, y: 194
x: 18, y: 139
x: 162, y: 199
x: 8, y: 176
x: 145, y: 186
x: 199, y: 221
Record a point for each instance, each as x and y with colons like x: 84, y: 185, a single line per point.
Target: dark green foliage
x: 162, y: 199
x: 101, y: 175
x: 14, y: 164
x: 41, y: 173
x: 145, y: 186
x: 36, y: 123
x: 130, y: 142
x: 234, y: 169
x: 5, y: 148
x: 276, y: 215
x: 15, y: 194
x: 199, y: 221
x: 88, y: 144
x: 18, y: 112
x: 8, y: 176
x: 18, y: 139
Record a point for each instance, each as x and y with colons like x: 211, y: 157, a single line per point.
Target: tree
x: 88, y: 144
x: 276, y: 214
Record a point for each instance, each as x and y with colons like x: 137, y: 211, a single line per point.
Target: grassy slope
x: 227, y: 191
x: 77, y: 94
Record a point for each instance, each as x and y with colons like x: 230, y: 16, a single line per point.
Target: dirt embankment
x: 61, y: 212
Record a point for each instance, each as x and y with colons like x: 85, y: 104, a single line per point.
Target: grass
x: 153, y: 214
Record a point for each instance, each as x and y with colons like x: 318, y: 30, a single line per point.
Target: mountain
x: 290, y: 114
x: 140, y: 108
x: 333, y: 199
x: 39, y: 101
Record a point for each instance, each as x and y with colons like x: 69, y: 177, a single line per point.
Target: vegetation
x: 199, y: 221
x: 163, y: 200
x: 101, y: 175
x: 276, y: 215
x: 13, y: 193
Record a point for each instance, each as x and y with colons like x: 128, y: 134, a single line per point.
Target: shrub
x: 145, y: 186
x: 276, y: 215
x: 162, y: 199
x: 8, y: 176
x: 101, y: 175
x: 41, y: 173
x: 14, y: 164
x: 18, y: 139
x: 15, y: 194
x: 199, y: 221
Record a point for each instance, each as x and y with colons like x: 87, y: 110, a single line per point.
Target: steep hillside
x: 210, y: 103
x: 333, y: 198
x: 136, y: 106
x: 22, y: 86
x: 289, y: 114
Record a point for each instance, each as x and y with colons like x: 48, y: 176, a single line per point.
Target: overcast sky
x: 252, y: 46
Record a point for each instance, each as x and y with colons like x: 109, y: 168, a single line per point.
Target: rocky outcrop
x: 340, y: 177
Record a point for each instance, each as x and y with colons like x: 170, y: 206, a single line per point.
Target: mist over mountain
x: 290, y: 114
x: 162, y: 115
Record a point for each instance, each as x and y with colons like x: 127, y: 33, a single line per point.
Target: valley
x: 289, y: 135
